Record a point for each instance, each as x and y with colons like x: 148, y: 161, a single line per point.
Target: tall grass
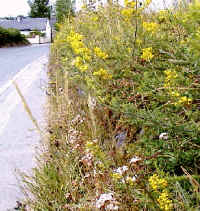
x: 123, y: 116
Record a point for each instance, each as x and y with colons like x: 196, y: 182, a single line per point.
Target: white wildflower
x: 104, y: 198
x: 87, y: 160
x: 121, y: 170
x: 163, y: 136
x: 112, y: 207
x: 135, y: 159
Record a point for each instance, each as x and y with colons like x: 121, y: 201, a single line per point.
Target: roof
x: 25, y: 24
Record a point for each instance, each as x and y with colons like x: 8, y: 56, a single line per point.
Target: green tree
x: 39, y: 8
x: 63, y: 9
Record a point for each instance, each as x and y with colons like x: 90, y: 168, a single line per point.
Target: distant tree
x: 39, y: 8
x: 63, y: 9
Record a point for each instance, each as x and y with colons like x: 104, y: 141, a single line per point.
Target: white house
x: 28, y: 25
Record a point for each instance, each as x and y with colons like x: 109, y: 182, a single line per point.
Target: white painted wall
x: 37, y: 39
x: 25, y: 32
x: 48, y: 32
x: 34, y: 40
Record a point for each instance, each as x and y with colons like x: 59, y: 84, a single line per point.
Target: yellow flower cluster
x: 103, y: 74
x: 94, y: 18
x: 80, y: 64
x: 127, y: 13
x: 116, y: 176
x: 84, y: 53
x: 129, y: 3
x: 164, y: 202
x: 75, y: 40
x: 99, y: 53
x: 147, y: 54
x: 139, y: 42
x: 183, y: 101
x: 157, y: 183
x: 171, y: 75
x: 150, y: 27
x: 159, y: 186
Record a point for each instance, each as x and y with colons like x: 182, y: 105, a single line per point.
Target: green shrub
x: 124, y: 113
x: 142, y: 70
x: 11, y: 37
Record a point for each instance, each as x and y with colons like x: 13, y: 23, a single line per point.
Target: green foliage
x: 146, y: 80
x: 124, y: 118
x: 11, y: 37
x: 39, y: 8
x: 36, y: 32
x: 63, y: 9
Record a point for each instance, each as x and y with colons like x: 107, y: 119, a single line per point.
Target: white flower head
x: 135, y: 159
x: 121, y: 170
x: 112, y: 207
x: 163, y: 136
x: 104, y: 198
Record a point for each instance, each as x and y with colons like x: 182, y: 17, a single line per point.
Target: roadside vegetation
x: 124, y: 113
x: 11, y: 37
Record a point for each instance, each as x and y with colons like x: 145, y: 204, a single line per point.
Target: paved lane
x: 18, y: 137
x: 16, y: 58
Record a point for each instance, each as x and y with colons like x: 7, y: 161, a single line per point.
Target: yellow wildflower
x: 82, y: 51
x: 164, y: 202
x: 129, y: 3
x: 139, y: 42
x: 147, y: 54
x: 150, y: 27
x: 156, y: 183
x: 75, y: 44
x: 100, y: 53
x: 127, y: 13
x: 83, y: 67
x: 103, y: 74
x: 116, y: 176
x: 170, y: 74
x: 94, y: 18
x: 78, y: 62
x: 184, y: 100
x: 73, y: 36
x: 129, y: 50
x: 174, y: 94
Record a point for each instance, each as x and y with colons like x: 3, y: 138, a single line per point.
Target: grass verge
x: 124, y: 113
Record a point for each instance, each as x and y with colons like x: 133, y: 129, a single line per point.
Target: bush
x: 143, y: 70
x: 11, y: 37
x: 124, y: 113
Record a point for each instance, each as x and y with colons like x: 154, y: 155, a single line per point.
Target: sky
x: 21, y: 7
x: 14, y: 7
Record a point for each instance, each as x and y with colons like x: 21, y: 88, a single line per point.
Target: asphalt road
x: 14, y: 59
x: 18, y: 136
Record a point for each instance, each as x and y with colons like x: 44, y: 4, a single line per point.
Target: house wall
x: 25, y: 32
x: 40, y: 40
x: 35, y: 40
x: 48, y: 32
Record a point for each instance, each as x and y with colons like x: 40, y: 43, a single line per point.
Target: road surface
x: 18, y: 136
